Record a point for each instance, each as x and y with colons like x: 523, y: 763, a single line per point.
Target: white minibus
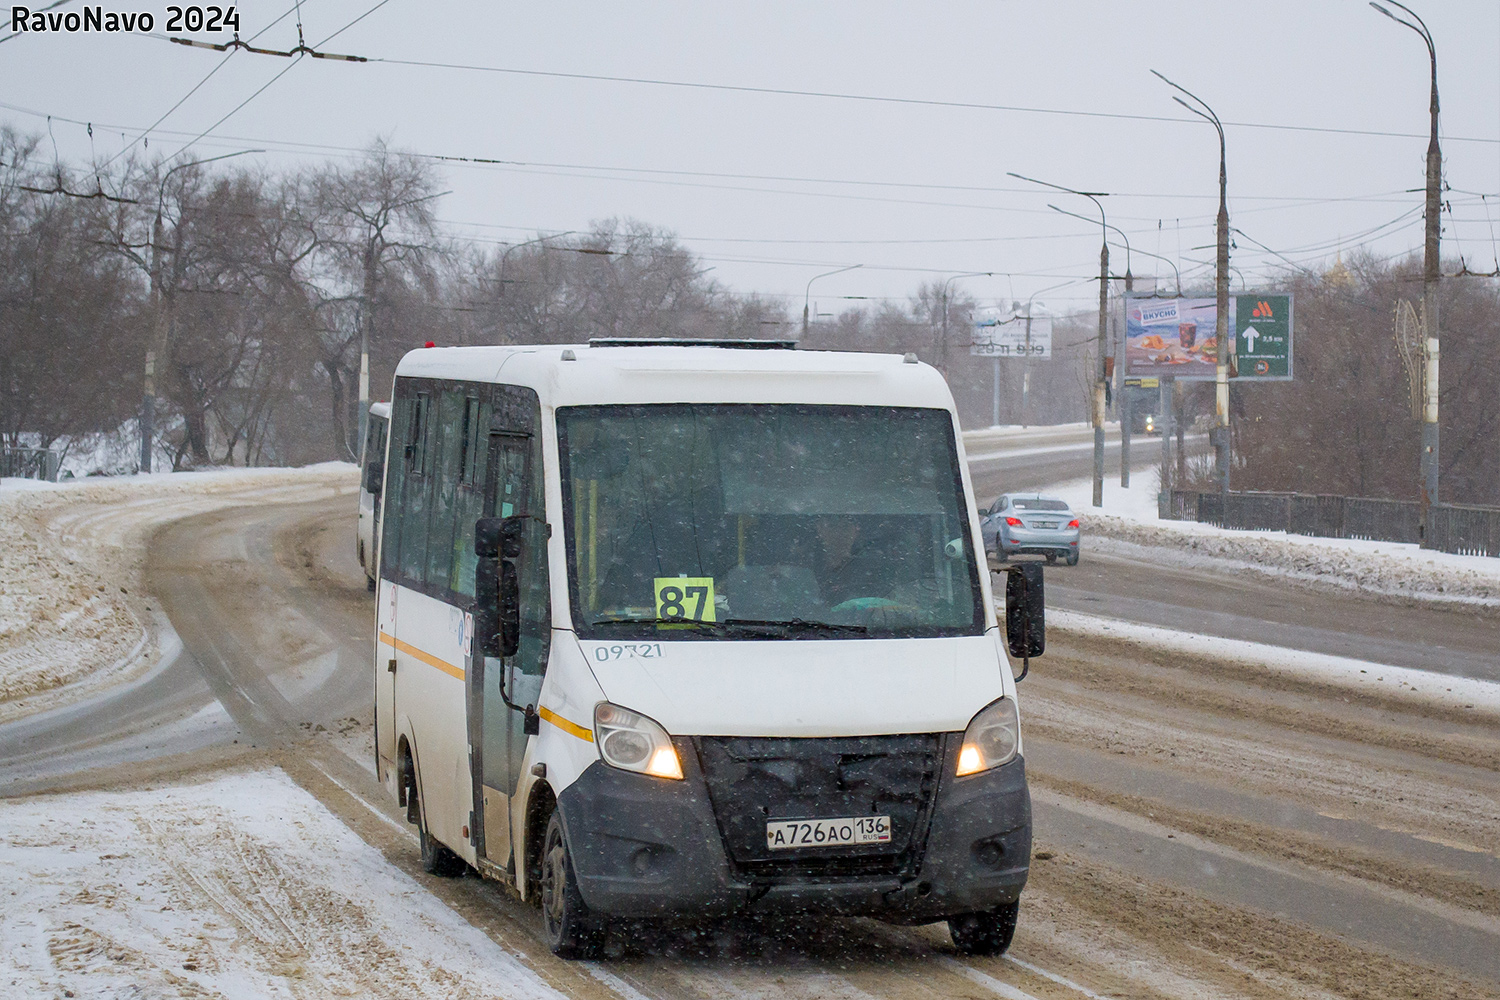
x: 372, y: 476
x: 683, y: 629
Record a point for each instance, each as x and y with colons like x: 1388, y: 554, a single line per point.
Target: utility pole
x: 1428, y: 487
x: 807, y: 293
x: 1102, y: 375
x: 1221, y: 297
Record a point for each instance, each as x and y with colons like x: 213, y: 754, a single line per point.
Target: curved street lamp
x: 158, y: 343
x: 1430, y: 273
x: 807, y: 292
x: 943, y: 346
x: 1103, y: 375
x: 1221, y: 293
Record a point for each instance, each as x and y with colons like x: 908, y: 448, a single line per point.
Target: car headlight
x: 632, y: 742
x: 992, y: 739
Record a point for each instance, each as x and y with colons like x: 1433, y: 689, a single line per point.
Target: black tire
x: 436, y: 859
x: 987, y: 933
x: 1072, y: 558
x: 571, y: 931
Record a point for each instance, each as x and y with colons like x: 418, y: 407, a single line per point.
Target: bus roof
x: 579, y: 374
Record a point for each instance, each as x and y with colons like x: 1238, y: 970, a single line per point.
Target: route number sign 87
x: 689, y: 598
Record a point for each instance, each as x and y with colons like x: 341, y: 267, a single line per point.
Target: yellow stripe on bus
x: 571, y: 728
x: 425, y: 657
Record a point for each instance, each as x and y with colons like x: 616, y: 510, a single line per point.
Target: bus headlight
x: 632, y: 742
x: 992, y: 739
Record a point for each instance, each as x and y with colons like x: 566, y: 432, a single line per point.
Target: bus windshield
x: 692, y: 521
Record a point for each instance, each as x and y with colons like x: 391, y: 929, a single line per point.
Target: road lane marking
x: 1054, y: 977
x: 990, y: 983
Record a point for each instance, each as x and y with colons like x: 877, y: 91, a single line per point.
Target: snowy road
x: 1123, y: 582
x: 1203, y: 828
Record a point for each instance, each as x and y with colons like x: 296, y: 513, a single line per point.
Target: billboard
x: 1175, y: 337
x: 1016, y: 337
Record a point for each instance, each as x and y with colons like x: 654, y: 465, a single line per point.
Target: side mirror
x: 497, y: 584
x: 1025, y: 612
x: 374, y: 477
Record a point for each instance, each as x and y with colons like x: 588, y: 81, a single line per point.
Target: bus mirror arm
x: 1025, y: 613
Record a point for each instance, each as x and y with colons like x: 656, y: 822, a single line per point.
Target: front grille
x: 752, y: 780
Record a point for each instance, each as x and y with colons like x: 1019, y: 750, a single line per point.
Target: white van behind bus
x: 674, y: 630
x: 371, y: 480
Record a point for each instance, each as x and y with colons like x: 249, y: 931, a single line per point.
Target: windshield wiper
x: 777, y: 626
x: 790, y: 625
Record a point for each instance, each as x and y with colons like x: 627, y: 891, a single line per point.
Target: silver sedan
x: 1030, y: 524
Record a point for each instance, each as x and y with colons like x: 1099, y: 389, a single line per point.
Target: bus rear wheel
x: 570, y: 930
x: 986, y: 933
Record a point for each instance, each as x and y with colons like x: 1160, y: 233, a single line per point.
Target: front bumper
x: 645, y: 847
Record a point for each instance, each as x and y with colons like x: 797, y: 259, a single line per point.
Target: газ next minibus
x: 683, y: 630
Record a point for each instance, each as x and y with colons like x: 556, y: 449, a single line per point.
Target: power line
x: 40, y: 10
x: 131, y: 145
x: 920, y: 102
x: 297, y: 55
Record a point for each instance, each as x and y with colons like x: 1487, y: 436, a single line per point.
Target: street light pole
x: 807, y: 293
x: 943, y: 347
x: 1102, y: 371
x: 161, y: 305
x: 1221, y: 296
x: 1430, y: 274
x: 1124, y: 397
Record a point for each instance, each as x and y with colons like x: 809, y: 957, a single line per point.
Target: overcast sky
x: 772, y: 189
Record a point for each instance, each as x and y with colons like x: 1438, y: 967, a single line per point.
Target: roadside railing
x: 1466, y: 530
x: 30, y: 463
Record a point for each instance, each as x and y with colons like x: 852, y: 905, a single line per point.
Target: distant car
x: 1030, y: 524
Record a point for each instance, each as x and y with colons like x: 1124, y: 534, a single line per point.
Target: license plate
x: 847, y: 831
x: 1045, y: 524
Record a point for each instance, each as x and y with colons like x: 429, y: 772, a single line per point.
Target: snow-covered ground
x: 1401, y: 684
x: 1128, y: 525
x: 74, y: 614
x: 242, y: 885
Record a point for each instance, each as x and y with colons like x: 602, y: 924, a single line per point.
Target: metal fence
x: 29, y: 463
x: 1453, y: 528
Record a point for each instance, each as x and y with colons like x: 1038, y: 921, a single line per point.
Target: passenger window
x: 416, y: 498
x: 446, y: 452
x: 469, y: 493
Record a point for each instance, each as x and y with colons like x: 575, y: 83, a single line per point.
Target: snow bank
x: 1127, y: 525
x: 1401, y: 683
x: 242, y: 886
x: 74, y: 614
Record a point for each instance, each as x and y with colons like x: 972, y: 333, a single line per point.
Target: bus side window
x: 396, y: 475
x: 416, y: 498
x: 469, y: 493
x: 446, y: 453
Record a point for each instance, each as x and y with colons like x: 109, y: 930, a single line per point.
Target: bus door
x: 507, y: 687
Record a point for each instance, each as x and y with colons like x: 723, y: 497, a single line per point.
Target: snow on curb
x: 1127, y: 525
x: 243, y: 885
x: 74, y: 614
x: 1419, y: 686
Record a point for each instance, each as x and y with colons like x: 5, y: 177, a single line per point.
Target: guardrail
x: 1466, y: 530
x: 30, y: 463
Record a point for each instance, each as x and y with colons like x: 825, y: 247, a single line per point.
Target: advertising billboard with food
x: 1175, y: 337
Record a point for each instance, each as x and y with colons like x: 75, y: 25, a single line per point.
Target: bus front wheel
x: 570, y: 930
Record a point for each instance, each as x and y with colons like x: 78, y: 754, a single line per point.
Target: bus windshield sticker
x: 689, y: 598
